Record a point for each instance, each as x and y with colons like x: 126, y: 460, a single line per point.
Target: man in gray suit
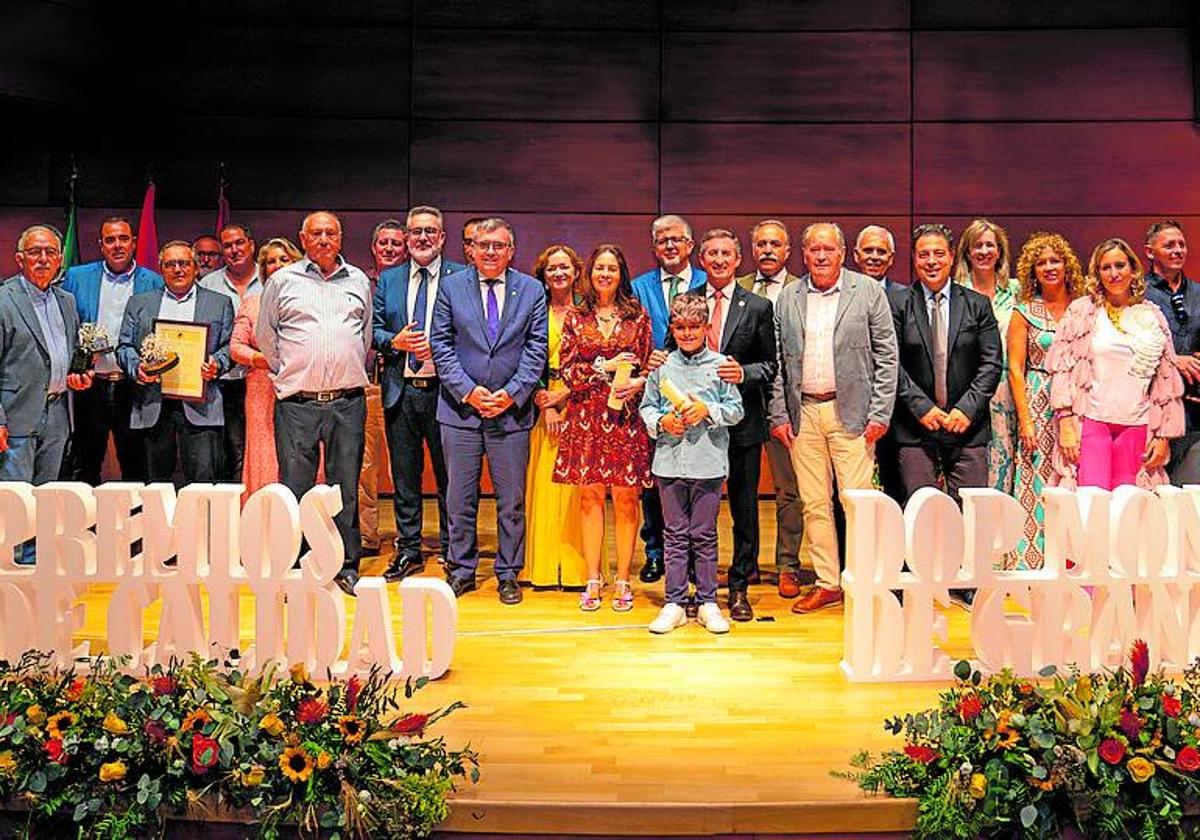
x: 174, y: 429
x: 39, y: 330
x: 834, y: 394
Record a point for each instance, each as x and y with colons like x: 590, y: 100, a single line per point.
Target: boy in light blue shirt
x: 688, y: 410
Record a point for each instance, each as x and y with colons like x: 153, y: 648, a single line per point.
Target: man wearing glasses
x: 671, y: 237
x: 1169, y: 287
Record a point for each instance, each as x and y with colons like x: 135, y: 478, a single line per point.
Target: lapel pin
x: 741, y: 303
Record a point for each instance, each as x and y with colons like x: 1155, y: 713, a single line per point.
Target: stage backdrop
x: 582, y: 121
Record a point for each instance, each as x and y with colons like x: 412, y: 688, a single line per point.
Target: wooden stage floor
x: 589, y: 724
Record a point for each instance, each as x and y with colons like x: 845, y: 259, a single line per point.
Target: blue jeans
x: 36, y: 458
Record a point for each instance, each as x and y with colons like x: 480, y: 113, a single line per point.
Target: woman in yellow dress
x: 554, y: 543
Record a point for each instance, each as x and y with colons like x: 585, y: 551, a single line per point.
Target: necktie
x: 493, y: 311
x: 764, y: 286
x: 418, y: 314
x: 714, y: 322
x: 939, y: 352
x: 672, y: 289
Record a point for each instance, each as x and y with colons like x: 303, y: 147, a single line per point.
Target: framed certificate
x: 190, y: 342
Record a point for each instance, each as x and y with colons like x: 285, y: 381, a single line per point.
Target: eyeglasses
x: 1179, y: 307
x: 169, y: 264
x: 665, y: 241
x: 492, y: 246
x: 208, y: 253
x: 428, y: 231
x: 34, y: 253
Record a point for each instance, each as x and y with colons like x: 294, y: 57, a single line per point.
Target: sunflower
x: 352, y: 728
x: 59, y: 722
x: 200, y: 716
x: 296, y: 764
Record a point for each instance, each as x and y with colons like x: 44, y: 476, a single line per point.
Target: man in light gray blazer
x: 39, y: 330
x: 833, y: 397
x: 174, y: 429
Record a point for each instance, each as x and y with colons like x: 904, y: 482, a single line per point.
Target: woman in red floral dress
x: 602, y: 448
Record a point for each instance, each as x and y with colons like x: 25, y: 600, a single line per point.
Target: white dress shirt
x: 685, y: 282
x: 820, y: 316
x: 710, y: 295
x: 770, y: 287
x: 483, y: 294
x: 182, y: 308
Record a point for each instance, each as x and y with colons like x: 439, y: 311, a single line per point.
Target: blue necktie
x: 493, y: 311
x: 418, y: 315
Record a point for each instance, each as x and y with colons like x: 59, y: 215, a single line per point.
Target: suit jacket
x: 83, y: 281
x: 647, y: 288
x: 749, y: 339
x: 212, y: 308
x: 390, y: 315
x: 973, y: 366
x: 24, y: 357
x: 864, y: 353
x: 746, y: 281
x: 465, y: 358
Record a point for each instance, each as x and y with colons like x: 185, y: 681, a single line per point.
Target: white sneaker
x: 710, y: 616
x: 670, y: 617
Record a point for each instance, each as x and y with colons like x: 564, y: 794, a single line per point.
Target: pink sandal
x: 623, y: 599
x: 589, y: 598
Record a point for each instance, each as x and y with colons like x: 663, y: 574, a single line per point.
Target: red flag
x: 222, y: 209
x: 147, y: 240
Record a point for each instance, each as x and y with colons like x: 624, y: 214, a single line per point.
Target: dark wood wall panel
x: 798, y: 76
x: 770, y: 169
x: 537, y: 14
x: 774, y: 15
x: 1096, y: 75
x: 535, y: 167
x: 527, y: 75
x: 1039, y: 14
x: 1057, y: 168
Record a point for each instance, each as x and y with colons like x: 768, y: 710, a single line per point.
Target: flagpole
x: 71, y: 238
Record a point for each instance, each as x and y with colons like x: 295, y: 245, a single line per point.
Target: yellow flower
x: 112, y: 772
x: 1139, y: 769
x: 1083, y: 689
x: 978, y: 788
x: 114, y: 725
x: 271, y: 724
x: 299, y: 674
x: 352, y: 728
x: 35, y: 715
x: 296, y: 764
x: 8, y: 764
x: 199, y: 716
x: 323, y: 760
x: 254, y: 777
x: 59, y: 722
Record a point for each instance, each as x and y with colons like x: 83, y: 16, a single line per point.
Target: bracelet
x: 1063, y: 412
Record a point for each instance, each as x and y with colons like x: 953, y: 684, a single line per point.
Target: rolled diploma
x: 620, y: 380
x: 671, y: 391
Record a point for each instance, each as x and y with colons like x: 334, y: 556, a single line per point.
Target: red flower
x: 1171, y: 705
x: 411, y: 724
x: 920, y: 754
x: 155, y: 731
x: 311, y: 710
x: 969, y: 706
x: 1188, y: 760
x: 205, y: 751
x: 163, y: 685
x: 1129, y: 723
x: 353, y: 688
x: 55, y: 752
x: 1112, y: 750
x: 9, y: 718
x: 1139, y: 661
x: 75, y: 690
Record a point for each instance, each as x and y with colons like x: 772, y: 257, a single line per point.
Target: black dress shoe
x: 461, y: 586
x: 691, y: 607
x: 510, y: 593
x: 345, y: 580
x: 652, y: 570
x: 739, y: 606
x: 402, y: 567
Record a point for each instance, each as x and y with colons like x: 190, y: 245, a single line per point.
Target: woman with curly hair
x: 1050, y: 278
x: 981, y: 262
x: 1115, y: 391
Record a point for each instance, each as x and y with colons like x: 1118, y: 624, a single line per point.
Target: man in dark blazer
x: 39, y: 332
x: 102, y: 289
x: 489, y: 343
x: 942, y: 421
x: 174, y: 430
x: 742, y: 328
x: 403, y: 314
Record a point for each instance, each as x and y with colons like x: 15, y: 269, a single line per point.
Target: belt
x: 55, y: 397
x: 110, y: 375
x: 827, y: 396
x: 422, y: 382
x: 324, y: 396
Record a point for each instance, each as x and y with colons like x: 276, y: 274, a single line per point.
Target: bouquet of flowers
x: 115, y: 753
x: 93, y: 339
x: 157, y: 355
x: 1113, y: 754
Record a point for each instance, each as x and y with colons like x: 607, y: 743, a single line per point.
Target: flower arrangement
x: 156, y: 355
x: 1113, y: 754
x: 114, y: 753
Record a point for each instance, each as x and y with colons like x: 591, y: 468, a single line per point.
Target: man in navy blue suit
x: 489, y: 349
x: 403, y: 313
x: 101, y: 290
x: 671, y: 237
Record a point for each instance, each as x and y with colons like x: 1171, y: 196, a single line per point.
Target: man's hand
x: 79, y: 381
x: 479, y: 399
x: 730, y: 371
x: 499, y: 403
x: 874, y: 431
x: 403, y: 340
x: 420, y: 347
x: 956, y: 422
x: 145, y: 378
x: 696, y: 411
x: 784, y: 434
x: 1189, y: 367
x: 657, y: 357
x: 209, y: 369
x: 933, y: 419
x: 671, y: 424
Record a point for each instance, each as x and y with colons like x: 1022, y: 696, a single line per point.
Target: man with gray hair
x: 834, y: 394
x: 874, y: 251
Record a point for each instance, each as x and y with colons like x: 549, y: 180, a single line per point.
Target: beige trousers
x: 375, y: 460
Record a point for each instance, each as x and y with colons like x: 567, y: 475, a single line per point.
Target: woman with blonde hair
x: 1050, y: 278
x: 982, y: 263
x: 1116, y: 393
x: 260, y: 465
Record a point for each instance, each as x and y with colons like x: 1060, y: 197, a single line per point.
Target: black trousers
x: 745, y: 468
x: 652, y: 523
x: 233, y: 449
x: 300, y: 428
x: 412, y: 425
x: 104, y: 408
x: 174, y: 441
x: 960, y: 466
